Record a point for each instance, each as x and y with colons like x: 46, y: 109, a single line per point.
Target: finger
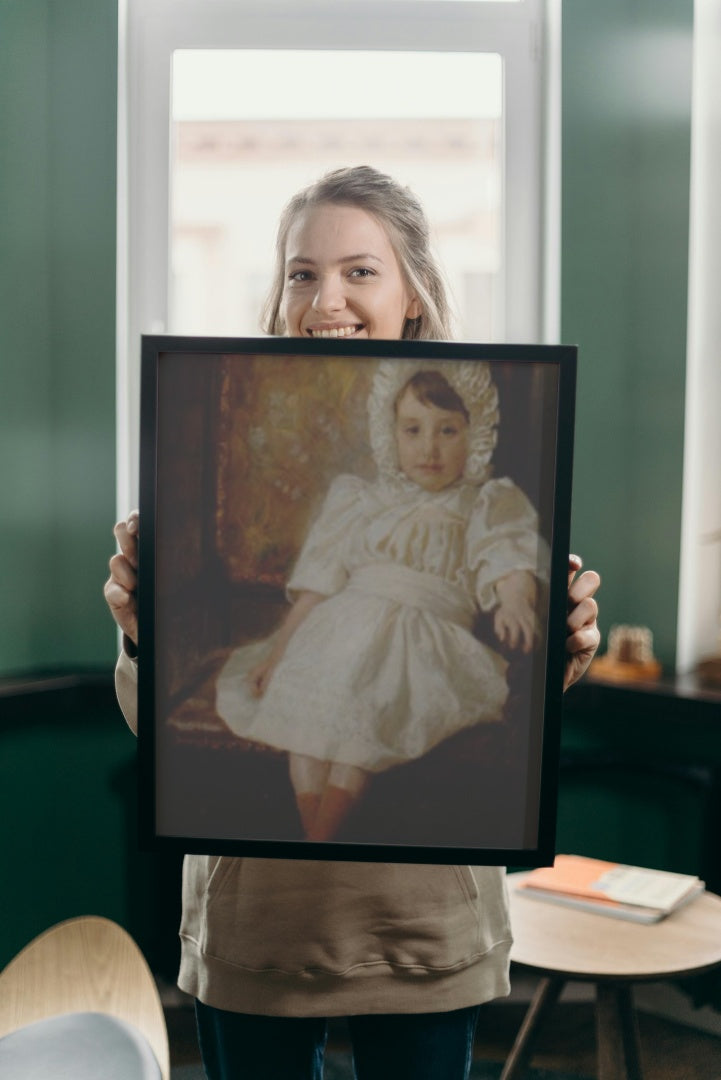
x: 583, y: 614
x: 585, y: 585
x: 123, y: 608
x: 513, y: 631
x: 504, y: 629
x: 117, y: 596
x: 123, y: 572
x: 499, y: 627
x: 585, y: 640
x: 529, y: 634
x: 575, y: 562
x: 127, y: 539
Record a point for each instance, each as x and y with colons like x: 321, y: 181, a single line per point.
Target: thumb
x: 575, y: 563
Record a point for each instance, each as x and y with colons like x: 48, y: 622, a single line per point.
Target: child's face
x: 342, y: 277
x: 432, y: 443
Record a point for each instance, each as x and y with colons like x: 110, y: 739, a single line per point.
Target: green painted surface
x: 626, y: 137
x: 626, y: 145
x: 57, y: 326
x: 64, y: 788
x: 650, y: 792
x: 67, y: 776
x: 626, y: 134
x: 68, y: 785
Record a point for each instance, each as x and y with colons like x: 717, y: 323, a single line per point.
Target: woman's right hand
x: 121, y: 587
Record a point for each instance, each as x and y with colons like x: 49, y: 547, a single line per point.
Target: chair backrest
x: 87, y: 964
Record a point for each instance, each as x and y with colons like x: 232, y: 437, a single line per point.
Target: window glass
x: 251, y: 127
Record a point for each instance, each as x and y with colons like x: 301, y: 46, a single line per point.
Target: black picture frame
x: 228, y: 426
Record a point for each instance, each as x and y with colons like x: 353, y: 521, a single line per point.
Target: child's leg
x: 345, y: 785
x: 308, y: 776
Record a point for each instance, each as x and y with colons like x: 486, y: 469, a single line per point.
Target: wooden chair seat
x: 87, y: 965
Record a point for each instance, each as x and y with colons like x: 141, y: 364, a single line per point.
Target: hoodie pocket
x: 203, y: 875
x: 468, y: 884
x: 296, y: 916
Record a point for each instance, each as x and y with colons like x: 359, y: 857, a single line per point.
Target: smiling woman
x: 231, y: 107
x: 352, y: 287
x: 353, y: 259
x: 414, y: 568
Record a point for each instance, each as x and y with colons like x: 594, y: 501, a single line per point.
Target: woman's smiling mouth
x: 334, y: 331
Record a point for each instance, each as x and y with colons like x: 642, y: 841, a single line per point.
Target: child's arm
x: 261, y: 674
x: 514, y: 620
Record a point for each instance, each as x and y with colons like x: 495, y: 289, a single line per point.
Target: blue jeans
x: 413, y: 1046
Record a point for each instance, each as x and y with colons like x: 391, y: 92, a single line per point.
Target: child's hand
x: 259, y: 677
x: 514, y: 620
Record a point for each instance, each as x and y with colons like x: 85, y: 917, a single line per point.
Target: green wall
x: 626, y: 145
x: 67, y: 761
x: 626, y: 137
x: 58, y: 74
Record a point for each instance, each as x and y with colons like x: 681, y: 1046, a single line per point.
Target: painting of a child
x: 376, y: 663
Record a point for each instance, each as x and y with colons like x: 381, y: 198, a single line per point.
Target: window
x: 235, y: 161
x: 231, y: 104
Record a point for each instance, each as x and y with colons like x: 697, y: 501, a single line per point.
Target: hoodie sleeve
x: 126, y: 688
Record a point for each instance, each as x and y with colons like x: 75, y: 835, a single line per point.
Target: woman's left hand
x: 583, y: 635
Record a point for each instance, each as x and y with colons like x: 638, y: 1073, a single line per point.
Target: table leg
x: 545, y: 997
x: 617, y: 1033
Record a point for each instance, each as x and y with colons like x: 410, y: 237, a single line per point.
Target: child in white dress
x: 376, y: 662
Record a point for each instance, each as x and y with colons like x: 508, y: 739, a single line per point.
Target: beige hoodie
x: 285, y: 937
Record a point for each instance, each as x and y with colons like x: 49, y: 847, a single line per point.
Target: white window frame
x: 699, y: 597
x: 526, y: 34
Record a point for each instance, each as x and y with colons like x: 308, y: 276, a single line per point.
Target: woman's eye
x: 299, y: 276
x: 449, y: 429
x: 362, y: 272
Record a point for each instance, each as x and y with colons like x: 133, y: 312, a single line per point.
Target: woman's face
x: 432, y: 443
x: 342, y: 277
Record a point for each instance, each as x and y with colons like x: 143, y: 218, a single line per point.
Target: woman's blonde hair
x: 403, y: 217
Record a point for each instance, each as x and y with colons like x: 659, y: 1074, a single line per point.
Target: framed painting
x: 352, y: 597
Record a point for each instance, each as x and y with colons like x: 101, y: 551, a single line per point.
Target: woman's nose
x: 329, y: 295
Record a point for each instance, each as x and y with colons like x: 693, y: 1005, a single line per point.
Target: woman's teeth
x: 336, y: 332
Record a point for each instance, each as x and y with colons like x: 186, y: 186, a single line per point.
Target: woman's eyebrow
x: 361, y: 257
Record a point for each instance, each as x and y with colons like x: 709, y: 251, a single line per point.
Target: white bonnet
x: 472, y: 382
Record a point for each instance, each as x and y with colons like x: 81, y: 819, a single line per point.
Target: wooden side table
x: 563, y: 944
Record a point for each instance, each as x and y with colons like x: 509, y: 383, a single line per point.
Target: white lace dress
x: 386, y: 667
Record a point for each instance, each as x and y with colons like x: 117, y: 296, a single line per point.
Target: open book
x: 608, y: 888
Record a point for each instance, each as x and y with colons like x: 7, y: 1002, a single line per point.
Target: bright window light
x: 238, y: 155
